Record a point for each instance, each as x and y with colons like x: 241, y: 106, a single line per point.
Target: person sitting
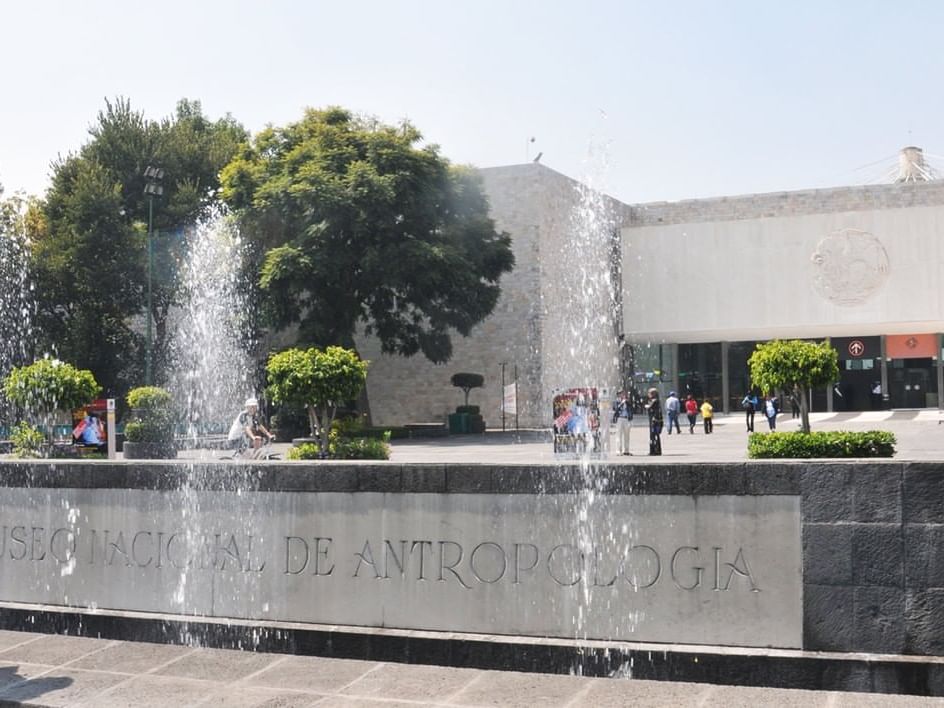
x: 90, y: 432
x: 247, y: 431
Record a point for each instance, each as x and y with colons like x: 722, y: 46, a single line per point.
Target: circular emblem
x: 849, y: 266
x: 856, y: 347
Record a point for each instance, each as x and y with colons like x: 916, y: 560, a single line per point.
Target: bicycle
x: 245, y: 452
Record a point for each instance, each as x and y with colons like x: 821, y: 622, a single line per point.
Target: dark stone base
x: 149, y: 451
x: 780, y: 669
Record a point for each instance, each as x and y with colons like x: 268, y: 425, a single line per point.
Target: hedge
x: 827, y: 443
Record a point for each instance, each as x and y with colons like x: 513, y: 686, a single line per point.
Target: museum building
x: 698, y: 284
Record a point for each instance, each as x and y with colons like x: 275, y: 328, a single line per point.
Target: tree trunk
x: 804, y: 408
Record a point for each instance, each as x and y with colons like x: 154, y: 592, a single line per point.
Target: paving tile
x: 411, y: 682
x: 361, y: 702
x: 54, y: 650
x: 131, y: 657
x: 153, y: 692
x: 750, y: 697
x: 9, y: 638
x: 882, y: 700
x: 13, y: 673
x: 241, y: 697
x: 517, y: 689
x: 604, y: 693
x: 60, y: 687
x: 218, y: 664
x: 312, y: 674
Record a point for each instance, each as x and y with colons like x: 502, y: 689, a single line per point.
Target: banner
x: 510, y: 399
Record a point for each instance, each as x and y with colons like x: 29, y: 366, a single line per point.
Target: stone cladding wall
x: 780, y: 204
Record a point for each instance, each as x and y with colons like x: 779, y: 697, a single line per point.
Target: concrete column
x: 725, y: 380
x: 940, y: 375
x: 676, y: 381
x: 884, y: 371
x: 829, y: 393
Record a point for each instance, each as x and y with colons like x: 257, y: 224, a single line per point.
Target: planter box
x: 149, y: 451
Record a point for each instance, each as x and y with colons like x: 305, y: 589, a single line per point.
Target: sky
x: 649, y: 101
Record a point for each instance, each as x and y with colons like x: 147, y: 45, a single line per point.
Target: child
x: 707, y: 411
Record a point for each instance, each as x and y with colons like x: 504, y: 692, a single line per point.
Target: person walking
x: 654, y: 409
x: 794, y: 406
x: 770, y: 410
x: 707, y: 413
x: 673, y: 407
x: 691, y: 410
x: 750, y: 404
x: 623, y: 418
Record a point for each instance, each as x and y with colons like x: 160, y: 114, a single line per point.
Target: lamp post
x: 152, y: 188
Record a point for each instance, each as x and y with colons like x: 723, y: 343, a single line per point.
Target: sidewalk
x: 48, y: 670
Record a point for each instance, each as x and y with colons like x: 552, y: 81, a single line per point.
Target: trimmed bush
x: 471, y: 410
x: 345, y: 449
x: 153, y: 416
x: 27, y: 440
x: 829, y: 444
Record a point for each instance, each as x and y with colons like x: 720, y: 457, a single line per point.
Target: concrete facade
x: 827, y: 263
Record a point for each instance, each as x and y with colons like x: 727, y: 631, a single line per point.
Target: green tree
x: 356, y: 222
x: 89, y: 250
x: 49, y: 385
x: 794, y: 366
x: 317, y: 380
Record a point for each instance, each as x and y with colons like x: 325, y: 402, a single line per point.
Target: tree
x: 354, y: 222
x: 89, y: 255
x: 317, y: 380
x: 467, y: 382
x: 794, y: 366
x: 49, y: 385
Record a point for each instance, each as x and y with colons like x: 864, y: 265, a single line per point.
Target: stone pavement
x: 919, y: 435
x: 48, y: 670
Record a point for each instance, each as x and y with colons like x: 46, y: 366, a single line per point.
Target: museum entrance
x: 912, y: 383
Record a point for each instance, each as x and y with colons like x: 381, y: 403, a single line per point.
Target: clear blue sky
x: 684, y: 99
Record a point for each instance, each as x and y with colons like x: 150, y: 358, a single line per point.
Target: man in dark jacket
x: 654, y: 409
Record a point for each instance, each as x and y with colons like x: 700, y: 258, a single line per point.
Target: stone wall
x: 528, y: 327
x: 780, y: 204
x: 871, y: 571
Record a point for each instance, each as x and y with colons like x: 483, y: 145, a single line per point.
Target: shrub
x: 471, y: 410
x: 340, y: 448
x: 830, y: 444
x: 152, y: 416
x: 27, y: 440
x: 48, y: 385
x: 305, y: 451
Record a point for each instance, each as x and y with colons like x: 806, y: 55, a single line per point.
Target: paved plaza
x: 919, y: 435
x: 44, y: 670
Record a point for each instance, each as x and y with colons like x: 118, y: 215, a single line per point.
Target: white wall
x: 755, y: 278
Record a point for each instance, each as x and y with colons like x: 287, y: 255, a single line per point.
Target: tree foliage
x: 794, y: 366
x: 467, y: 382
x: 318, y: 380
x: 89, y: 242
x: 49, y: 385
x: 357, y: 222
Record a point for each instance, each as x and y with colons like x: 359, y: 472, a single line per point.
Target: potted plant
x: 467, y: 419
x: 150, y: 432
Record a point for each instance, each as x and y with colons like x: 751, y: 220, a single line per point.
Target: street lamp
x: 152, y: 188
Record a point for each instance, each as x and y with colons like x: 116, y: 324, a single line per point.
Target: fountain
x: 212, y: 371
